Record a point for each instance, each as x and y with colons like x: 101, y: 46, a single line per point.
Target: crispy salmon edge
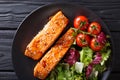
x: 36, y: 53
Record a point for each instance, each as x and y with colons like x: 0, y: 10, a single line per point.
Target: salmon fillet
x: 45, y: 38
x: 54, y: 55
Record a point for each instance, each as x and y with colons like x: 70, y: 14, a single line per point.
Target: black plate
x: 33, y: 23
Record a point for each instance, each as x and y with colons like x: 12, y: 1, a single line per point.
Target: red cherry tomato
x: 96, y: 46
x: 82, y: 40
x: 94, y: 28
x: 81, y: 22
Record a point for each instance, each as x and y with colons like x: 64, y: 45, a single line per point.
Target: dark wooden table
x: 12, y: 12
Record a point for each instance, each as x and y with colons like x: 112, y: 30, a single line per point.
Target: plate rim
x: 61, y: 3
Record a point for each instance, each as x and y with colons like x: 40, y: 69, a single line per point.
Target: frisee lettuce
x: 105, y: 53
x: 86, y: 55
x: 100, y: 68
x: 94, y: 75
x: 64, y: 71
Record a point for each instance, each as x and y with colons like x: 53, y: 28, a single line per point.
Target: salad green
x: 86, y: 55
x: 84, y: 62
x: 105, y: 53
x: 64, y: 71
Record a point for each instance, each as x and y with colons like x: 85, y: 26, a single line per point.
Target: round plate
x: 33, y: 23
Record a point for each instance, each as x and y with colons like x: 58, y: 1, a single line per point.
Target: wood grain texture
x: 95, y: 1
x: 116, y: 55
x: 8, y: 76
x: 6, y: 38
x: 12, y: 12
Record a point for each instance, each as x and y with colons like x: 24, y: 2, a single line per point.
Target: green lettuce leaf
x: 100, y: 68
x: 94, y: 75
x: 86, y: 55
x: 105, y: 53
x: 64, y: 71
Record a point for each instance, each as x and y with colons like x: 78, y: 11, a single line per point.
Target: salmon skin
x: 54, y: 55
x: 46, y: 37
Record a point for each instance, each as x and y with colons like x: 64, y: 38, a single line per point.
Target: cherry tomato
x: 94, y: 28
x: 96, y: 46
x: 82, y: 40
x: 81, y: 22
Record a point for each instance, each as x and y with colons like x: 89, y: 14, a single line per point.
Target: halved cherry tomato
x: 81, y: 22
x: 94, y: 28
x: 96, y: 46
x: 82, y: 40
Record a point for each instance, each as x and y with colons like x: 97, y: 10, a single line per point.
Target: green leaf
x: 100, y: 68
x: 105, y: 48
x: 105, y: 56
x: 86, y: 55
x: 94, y: 75
x: 64, y: 71
x: 105, y: 53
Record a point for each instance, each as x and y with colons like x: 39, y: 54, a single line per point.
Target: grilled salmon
x: 46, y: 37
x: 54, y: 55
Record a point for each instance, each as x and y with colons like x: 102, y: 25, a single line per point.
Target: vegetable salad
x: 86, y: 59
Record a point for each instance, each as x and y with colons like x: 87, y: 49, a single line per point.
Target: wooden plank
x: 71, y: 1
x: 7, y: 34
x: 105, y: 1
x: 116, y: 55
x: 6, y: 38
x: 113, y: 25
x: 8, y: 76
x: 13, y: 12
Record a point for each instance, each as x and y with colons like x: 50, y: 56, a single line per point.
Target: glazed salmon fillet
x: 54, y: 55
x: 46, y: 37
